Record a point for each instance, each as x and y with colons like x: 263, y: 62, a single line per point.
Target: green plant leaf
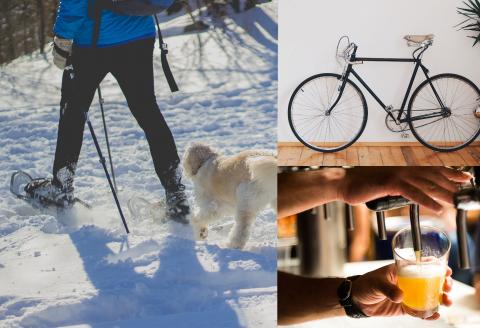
x: 470, y: 11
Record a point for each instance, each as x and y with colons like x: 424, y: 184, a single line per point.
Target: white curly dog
x: 242, y: 185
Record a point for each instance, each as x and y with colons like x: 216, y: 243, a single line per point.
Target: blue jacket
x: 74, y: 23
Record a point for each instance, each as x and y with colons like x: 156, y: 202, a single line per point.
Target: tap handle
x: 388, y: 203
x: 463, y: 257
x: 382, y: 230
x: 325, y: 212
x: 415, y: 224
x: 349, y: 218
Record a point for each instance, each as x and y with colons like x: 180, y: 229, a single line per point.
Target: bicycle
x: 328, y: 112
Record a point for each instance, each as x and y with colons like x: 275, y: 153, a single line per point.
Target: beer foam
x: 422, y: 270
x: 407, y: 253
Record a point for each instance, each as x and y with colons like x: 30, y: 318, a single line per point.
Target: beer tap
x: 465, y: 200
x: 383, y: 204
x: 416, y: 233
x: 349, y: 218
x: 380, y: 205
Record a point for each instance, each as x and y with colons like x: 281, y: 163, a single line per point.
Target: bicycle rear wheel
x: 449, y: 132
x: 308, y: 118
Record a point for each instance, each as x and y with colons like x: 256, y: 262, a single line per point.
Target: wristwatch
x: 344, y: 293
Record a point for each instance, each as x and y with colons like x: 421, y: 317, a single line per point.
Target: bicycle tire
x: 356, y: 134
x: 465, y: 122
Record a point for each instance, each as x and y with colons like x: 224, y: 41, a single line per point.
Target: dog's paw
x: 235, y: 245
x: 203, y: 233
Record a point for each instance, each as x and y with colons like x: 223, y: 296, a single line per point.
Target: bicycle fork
x: 340, y: 89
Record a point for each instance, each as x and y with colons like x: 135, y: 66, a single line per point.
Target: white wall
x: 308, y: 35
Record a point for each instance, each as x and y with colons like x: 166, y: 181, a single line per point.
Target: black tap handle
x: 325, y: 212
x: 349, y: 218
x: 463, y: 257
x: 388, y: 203
x: 415, y: 224
x: 382, y: 230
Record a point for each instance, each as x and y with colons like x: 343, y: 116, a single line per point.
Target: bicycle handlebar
x: 345, y: 54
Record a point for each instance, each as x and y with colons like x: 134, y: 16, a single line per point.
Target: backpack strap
x: 164, y: 51
x: 95, y: 12
x: 95, y: 8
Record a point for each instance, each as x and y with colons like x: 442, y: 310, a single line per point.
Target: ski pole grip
x: 387, y: 203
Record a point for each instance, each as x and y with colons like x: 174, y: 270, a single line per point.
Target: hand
x: 422, y: 185
x: 477, y: 286
x: 62, y: 49
x: 376, y: 293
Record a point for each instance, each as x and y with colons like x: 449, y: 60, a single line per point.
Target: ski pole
x: 102, y: 161
x: 101, y: 101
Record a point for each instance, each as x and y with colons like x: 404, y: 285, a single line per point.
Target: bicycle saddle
x: 415, y: 40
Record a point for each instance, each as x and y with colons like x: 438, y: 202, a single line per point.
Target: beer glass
x: 421, y: 280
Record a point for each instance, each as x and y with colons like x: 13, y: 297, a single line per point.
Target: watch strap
x: 344, y: 293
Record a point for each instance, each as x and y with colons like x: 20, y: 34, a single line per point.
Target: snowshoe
x: 142, y: 209
x: 177, y: 209
x: 41, y: 192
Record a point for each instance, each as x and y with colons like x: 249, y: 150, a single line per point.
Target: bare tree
x: 8, y: 36
x: 41, y: 27
x: 26, y: 25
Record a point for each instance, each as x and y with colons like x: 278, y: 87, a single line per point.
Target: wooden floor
x: 299, y: 155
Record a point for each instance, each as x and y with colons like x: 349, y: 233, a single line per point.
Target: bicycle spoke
x: 307, y: 113
x: 451, y: 131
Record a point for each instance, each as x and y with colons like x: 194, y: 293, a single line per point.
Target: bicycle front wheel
x: 460, y: 125
x: 312, y: 124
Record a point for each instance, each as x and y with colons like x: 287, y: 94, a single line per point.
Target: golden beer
x: 422, y: 286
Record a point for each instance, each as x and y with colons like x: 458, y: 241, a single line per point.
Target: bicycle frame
x: 416, y: 59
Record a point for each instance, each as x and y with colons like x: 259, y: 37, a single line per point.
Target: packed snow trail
x: 80, y: 269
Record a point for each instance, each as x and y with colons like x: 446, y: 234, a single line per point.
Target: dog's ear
x: 194, y: 157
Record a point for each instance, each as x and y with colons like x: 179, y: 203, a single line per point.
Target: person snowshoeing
x: 125, y: 49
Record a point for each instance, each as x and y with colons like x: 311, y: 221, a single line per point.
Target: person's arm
x: 70, y: 17
x: 375, y: 293
x: 303, y: 299
x: 360, y: 237
x: 300, y: 191
x: 476, y: 284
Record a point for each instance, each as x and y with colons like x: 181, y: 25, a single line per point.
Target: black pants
x: 132, y: 66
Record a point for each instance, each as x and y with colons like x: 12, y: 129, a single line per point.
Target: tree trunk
x: 10, y: 40
x: 41, y: 28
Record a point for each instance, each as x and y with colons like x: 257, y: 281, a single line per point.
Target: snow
x: 80, y: 269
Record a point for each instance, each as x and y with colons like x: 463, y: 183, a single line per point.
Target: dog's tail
x: 263, y: 169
